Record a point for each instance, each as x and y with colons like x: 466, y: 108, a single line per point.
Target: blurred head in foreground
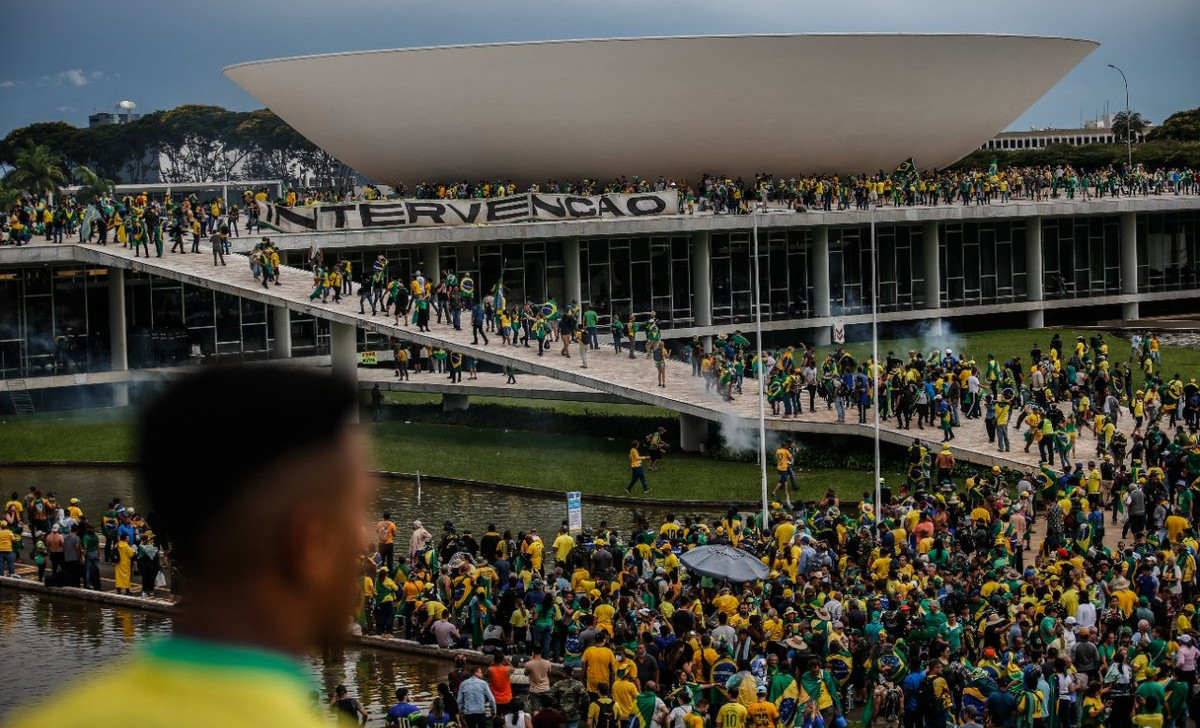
x: 257, y: 479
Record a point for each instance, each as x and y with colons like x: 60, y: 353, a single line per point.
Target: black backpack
x: 607, y: 717
x: 926, y: 699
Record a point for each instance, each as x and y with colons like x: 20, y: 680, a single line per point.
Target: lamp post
x: 759, y: 375
x: 1128, y: 120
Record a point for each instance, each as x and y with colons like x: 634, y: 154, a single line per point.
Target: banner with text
x: 433, y: 213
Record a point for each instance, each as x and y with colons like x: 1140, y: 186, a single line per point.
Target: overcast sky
x: 67, y: 59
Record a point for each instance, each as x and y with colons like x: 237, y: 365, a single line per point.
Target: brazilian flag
x: 905, y: 168
x: 784, y: 692
x: 550, y: 310
x: 643, y: 715
x: 722, y: 670
x: 993, y: 168
x: 840, y: 665
x: 466, y: 285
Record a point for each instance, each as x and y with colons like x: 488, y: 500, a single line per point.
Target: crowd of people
x: 145, y: 220
x: 903, y: 186
x: 455, y: 301
x: 65, y: 546
x: 1077, y: 631
x: 960, y: 597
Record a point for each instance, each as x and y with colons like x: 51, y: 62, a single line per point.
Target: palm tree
x: 38, y: 170
x: 1128, y: 126
x: 91, y: 185
x: 9, y: 195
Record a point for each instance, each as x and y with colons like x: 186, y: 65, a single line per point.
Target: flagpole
x: 875, y: 366
x: 760, y: 375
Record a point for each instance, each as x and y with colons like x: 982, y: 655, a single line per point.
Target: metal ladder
x: 19, y: 394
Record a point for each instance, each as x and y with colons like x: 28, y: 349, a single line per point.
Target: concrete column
x: 1129, y: 264
x: 571, y: 274
x: 820, y: 252
x: 1035, y: 283
x: 933, y: 268
x: 343, y: 352
x: 693, y: 433
x: 116, y: 333
x: 455, y: 402
x: 431, y: 262
x: 281, y: 319
x: 702, y: 282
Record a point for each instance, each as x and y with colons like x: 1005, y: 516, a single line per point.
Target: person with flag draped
x: 889, y: 665
x: 648, y: 709
x: 819, y: 692
x: 783, y: 691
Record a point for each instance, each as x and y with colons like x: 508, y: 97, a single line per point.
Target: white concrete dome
x: 677, y: 106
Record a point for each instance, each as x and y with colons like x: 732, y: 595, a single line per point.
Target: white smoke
x: 938, y: 334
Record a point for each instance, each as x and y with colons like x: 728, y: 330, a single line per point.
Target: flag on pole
x: 906, y: 168
x: 993, y: 168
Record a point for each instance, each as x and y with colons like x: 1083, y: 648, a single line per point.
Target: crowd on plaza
x: 904, y: 186
x: 145, y: 221
x: 65, y: 546
x: 945, y: 611
x: 934, y: 606
x: 930, y: 606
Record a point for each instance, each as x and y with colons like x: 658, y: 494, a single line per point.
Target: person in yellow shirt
x: 563, y: 543
x: 762, y: 713
x: 625, y: 692
x: 236, y: 657
x: 385, y: 536
x: 599, y: 663
x: 536, y: 550
x: 636, y: 471
x: 732, y: 714
x: 726, y: 602
x: 1175, y: 524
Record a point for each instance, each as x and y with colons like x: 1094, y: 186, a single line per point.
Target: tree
x: 58, y: 137
x: 200, y: 143
x: 1182, y: 126
x: 91, y: 185
x: 1131, y: 129
x: 38, y: 170
x: 9, y: 195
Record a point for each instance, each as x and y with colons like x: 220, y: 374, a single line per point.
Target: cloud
x: 67, y: 109
x: 73, y: 76
x: 10, y: 83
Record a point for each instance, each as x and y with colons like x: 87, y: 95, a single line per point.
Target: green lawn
x: 551, y: 461
x: 1010, y: 342
x: 558, y: 406
x: 574, y: 462
x: 98, y: 434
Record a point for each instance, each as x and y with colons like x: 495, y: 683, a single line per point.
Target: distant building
x: 1093, y: 131
x: 104, y: 118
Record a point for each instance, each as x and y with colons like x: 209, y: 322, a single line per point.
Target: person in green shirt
x: 91, y: 558
x: 590, y: 322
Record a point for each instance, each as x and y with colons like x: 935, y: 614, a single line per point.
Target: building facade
x: 973, y: 267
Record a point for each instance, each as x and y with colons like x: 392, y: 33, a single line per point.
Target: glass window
x: 197, y: 306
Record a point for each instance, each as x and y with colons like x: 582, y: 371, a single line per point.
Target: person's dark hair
x: 401, y: 694
x: 197, y: 448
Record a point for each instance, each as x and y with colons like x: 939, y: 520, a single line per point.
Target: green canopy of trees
x: 195, y: 143
x: 1182, y: 126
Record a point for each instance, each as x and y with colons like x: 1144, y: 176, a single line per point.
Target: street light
x: 1128, y: 120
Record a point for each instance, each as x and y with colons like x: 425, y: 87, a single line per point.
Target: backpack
x: 607, y: 717
x: 926, y: 699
